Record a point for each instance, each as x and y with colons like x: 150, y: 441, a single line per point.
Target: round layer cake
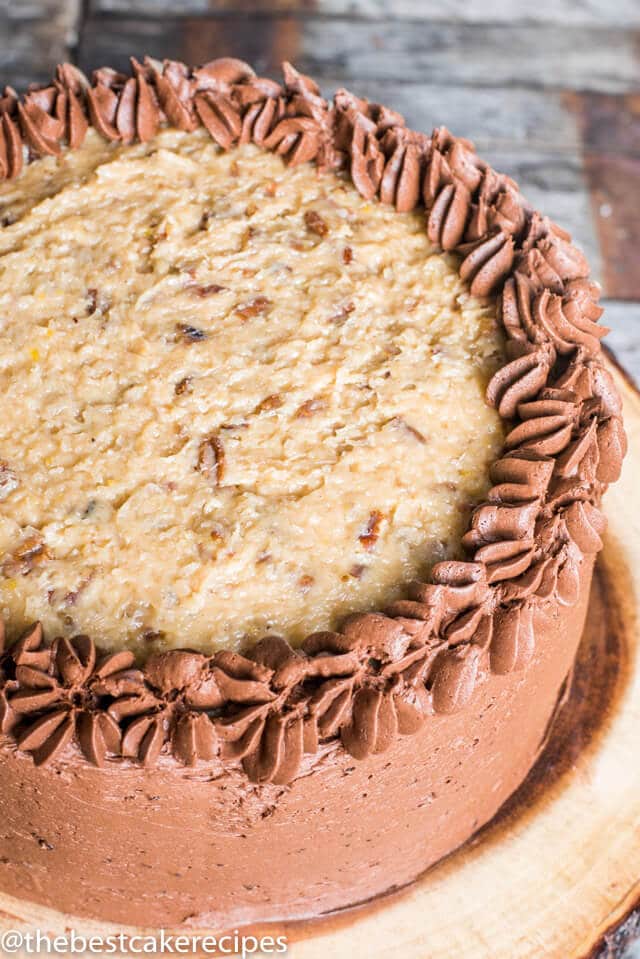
x: 304, y: 436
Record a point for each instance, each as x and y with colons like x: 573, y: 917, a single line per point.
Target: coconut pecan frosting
x: 385, y: 673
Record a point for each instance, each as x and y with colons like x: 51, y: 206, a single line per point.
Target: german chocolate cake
x: 304, y: 436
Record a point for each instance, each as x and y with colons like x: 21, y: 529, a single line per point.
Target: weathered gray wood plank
x: 633, y: 951
x: 624, y: 341
x: 535, y: 55
x: 623, y: 942
x: 610, y: 132
x: 535, y: 119
x: 34, y: 36
x: 621, y: 13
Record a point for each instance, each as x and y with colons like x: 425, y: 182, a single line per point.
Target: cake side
x: 203, y: 849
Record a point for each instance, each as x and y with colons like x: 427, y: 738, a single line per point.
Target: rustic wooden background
x: 548, y: 89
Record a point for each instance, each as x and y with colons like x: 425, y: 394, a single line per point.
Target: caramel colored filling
x: 237, y: 397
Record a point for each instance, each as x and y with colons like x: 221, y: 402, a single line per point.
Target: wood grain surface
x: 549, y: 90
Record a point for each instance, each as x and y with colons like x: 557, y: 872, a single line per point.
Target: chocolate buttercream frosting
x: 270, y: 729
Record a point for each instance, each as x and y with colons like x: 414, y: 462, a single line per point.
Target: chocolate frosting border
x: 384, y: 673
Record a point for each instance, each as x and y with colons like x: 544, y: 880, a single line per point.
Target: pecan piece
x: 309, y: 407
x: 341, y: 315
x: 255, y: 307
x: 272, y: 402
x: 8, y: 480
x: 402, y: 424
x: 27, y: 555
x: 92, y: 301
x: 190, y: 334
x: 211, y: 458
x: 209, y: 289
x: 369, y: 537
x: 315, y: 223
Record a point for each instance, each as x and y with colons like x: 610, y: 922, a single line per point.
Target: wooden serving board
x: 556, y: 875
